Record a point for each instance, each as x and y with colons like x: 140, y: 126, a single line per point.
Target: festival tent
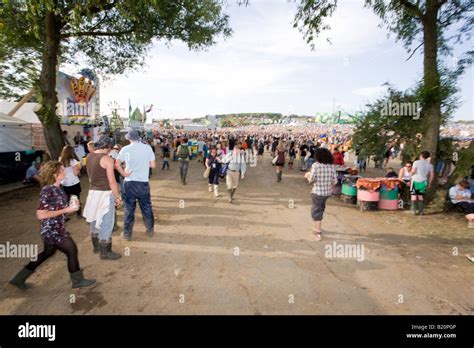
x: 15, y: 134
x: 25, y: 113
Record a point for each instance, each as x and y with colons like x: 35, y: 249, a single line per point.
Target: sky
x: 266, y: 66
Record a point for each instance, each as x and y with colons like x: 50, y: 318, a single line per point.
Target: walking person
x: 324, y: 176
x: 303, y: 150
x: 52, y: 210
x: 213, y: 162
x: 72, y: 167
x: 236, y: 169
x: 280, y: 162
x: 138, y: 159
x: 166, y: 155
x: 292, y: 155
x: 200, y: 150
x: 338, y: 157
x: 184, y: 152
x: 386, y: 157
x: 103, y: 196
x: 261, y: 147
x: 422, y: 175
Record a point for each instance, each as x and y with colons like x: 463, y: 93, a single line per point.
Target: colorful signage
x: 78, y: 99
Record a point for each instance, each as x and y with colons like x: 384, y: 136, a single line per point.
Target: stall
x: 377, y: 193
x: 349, y: 189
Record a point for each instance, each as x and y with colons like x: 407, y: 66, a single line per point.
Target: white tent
x: 15, y: 134
x: 26, y: 112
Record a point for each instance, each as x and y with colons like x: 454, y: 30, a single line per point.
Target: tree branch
x: 412, y: 7
x: 97, y: 33
x: 413, y: 52
x: 441, y: 3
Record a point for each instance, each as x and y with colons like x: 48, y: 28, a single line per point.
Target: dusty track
x: 192, y: 259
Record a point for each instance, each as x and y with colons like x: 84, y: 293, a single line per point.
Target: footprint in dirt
x: 89, y: 301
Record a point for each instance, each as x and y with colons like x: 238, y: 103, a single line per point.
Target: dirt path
x: 192, y: 264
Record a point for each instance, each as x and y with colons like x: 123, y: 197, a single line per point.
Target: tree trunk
x: 431, y: 79
x: 47, y: 113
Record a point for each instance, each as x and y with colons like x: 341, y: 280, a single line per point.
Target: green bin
x: 349, y: 190
x: 389, y: 195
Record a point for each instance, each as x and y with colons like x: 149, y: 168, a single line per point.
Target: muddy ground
x: 255, y: 256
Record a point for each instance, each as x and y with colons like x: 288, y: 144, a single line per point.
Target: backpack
x: 183, y: 152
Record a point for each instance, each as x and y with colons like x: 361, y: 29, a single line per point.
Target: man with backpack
x: 183, y: 156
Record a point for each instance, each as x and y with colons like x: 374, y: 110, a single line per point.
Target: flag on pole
x: 151, y: 107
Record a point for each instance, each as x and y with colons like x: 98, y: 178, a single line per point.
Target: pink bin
x: 388, y: 204
x: 367, y: 196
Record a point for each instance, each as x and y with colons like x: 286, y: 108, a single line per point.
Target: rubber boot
x: 216, y: 190
x: 414, y: 207
x: 95, y: 243
x: 106, y: 252
x: 421, y: 207
x: 20, y: 278
x: 209, y: 187
x: 233, y: 193
x: 279, y: 174
x: 78, y: 280
x: 230, y: 195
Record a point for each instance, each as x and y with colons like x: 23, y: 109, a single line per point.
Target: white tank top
x: 406, y: 174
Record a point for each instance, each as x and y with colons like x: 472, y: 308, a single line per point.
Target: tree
x: 111, y: 36
x: 428, y: 23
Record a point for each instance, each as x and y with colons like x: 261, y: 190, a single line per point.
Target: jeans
x: 468, y: 207
x: 183, y: 169
x: 107, y: 225
x: 133, y: 191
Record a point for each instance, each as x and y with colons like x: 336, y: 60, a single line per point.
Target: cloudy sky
x: 267, y: 67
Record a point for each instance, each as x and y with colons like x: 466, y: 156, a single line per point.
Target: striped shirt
x: 324, y: 177
x: 236, y: 162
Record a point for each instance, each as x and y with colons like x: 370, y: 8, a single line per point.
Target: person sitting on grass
x: 32, y: 174
x: 460, y: 195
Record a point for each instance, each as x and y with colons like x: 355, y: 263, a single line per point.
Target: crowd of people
x: 120, y: 176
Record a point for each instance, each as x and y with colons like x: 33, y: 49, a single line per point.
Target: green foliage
x: 466, y: 161
x: 111, y: 36
x: 378, y: 129
x: 404, y: 18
